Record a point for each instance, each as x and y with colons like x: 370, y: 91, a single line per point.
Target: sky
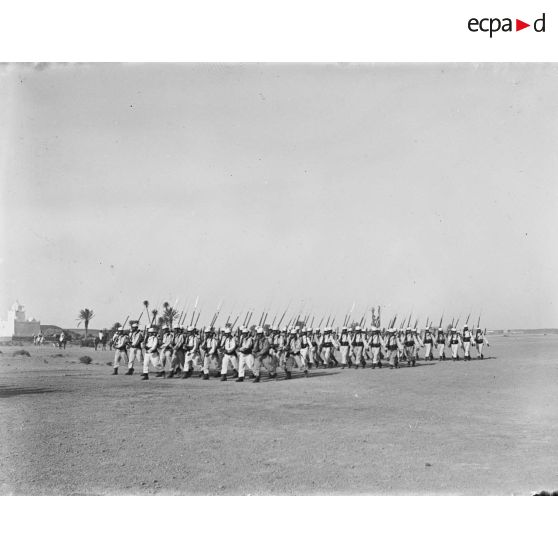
x: 423, y: 188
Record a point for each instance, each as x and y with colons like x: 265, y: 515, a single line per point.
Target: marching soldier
x: 441, y: 344
x: 229, y: 353
x: 177, y: 360
x: 62, y: 340
x: 209, y: 348
x: 305, y: 348
x: 466, y: 339
x: 454, y: 342
x: 327, y: 345
x: 410, y: 343
x: 294, y: 348
x: 344, y: 347
x: 192, y: 349
x: 282, y: 342
x: 375, y: 347
x: 428, y: 342
x: 260, y: 351
x: 393, y: 348
x: 245, y: 357
x: 479, y: 342
x: 165, y: 350
x: 357, y: 347
x: 151, y: 354
x: 134, y: 352
x: 314, y: 336
x: 121, y: 347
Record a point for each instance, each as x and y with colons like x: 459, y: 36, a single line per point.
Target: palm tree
x: 170, y: 315
x: 85, y: 316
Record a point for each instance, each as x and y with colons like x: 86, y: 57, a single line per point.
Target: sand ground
x: 480, y: 427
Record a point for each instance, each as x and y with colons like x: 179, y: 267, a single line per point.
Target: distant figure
x: 62, y: 340
x: 101, y: 341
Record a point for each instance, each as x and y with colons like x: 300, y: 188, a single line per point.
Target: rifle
x: 125, y: 321
x: 194, y: 311
x: 140, y: 317
x: 320, y: 324
x: 232, y: 327
x: 245, y: 318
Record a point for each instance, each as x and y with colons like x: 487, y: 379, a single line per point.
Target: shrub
x: 21, y: 352
x: 85, y: 359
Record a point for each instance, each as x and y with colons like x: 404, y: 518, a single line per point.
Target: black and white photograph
x: 278, y: 279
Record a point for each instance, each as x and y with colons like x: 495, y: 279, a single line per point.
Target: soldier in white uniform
x: 121, y: 349
x: 166, y: 350
x: 441, y: 344
x: 134, y: 352
x: 375, y: 347
x: 344, y: 348
x: 393, y: 348
x: 305, y: 347
x: 410, y: 342
x: 480, y: 339
x: 151, y: 354
x: 466, y: 340
x: 245, y: 356
x: 327, y: 346
x: 177, y: 360
x: 209, y: 348
x: 294, y: 347
x: 357, y: 347
x: 192, y: 349
x: 260, y: 351
x: 281, y: 342
x: 229, y: 354
x: 454, y: 340
x: 428, y: 342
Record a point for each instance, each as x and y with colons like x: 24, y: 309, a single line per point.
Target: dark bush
x: 85, y: 359
x: 21, y: 352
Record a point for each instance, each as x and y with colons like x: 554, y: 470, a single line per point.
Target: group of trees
x: 168, y: 317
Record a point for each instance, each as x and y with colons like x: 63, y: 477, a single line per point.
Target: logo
x: 493, y: 25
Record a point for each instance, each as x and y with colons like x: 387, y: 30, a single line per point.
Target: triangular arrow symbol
x: 519, y: 25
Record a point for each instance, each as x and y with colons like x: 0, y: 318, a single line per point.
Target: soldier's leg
x: 454, y: 351
x: 146, y: 361
x: 225, y: 366
x: 118, y: 357
x: 357, y: 353
x: 467, y: 350
x: 344, y: 351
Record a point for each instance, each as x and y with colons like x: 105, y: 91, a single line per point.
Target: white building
x: 17, y: 326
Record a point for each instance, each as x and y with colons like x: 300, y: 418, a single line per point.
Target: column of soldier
x: 175, y: 351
